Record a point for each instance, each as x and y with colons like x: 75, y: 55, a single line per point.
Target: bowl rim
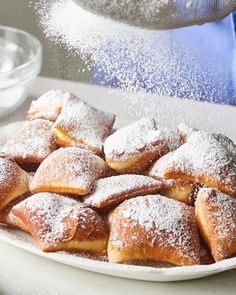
x: 37, y: 55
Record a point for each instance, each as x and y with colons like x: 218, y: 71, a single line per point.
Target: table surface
x: 26, y: 274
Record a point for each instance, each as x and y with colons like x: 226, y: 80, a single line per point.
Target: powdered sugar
x: 84, y: 124
x: 185, y: 131
x: 32, y: 144
x: 115, y: 189
x: 142, y: 136
x: 222, y: 210
x: 221, y: 217
x: 69, y: 169
x: 189, y: 4
x: 134, y: 59
x: 166, y: 222
x: 209, y: 156
x: 48, y: 106
x: 11, y: 176
x: 49, y: 214
x: 158, y: 170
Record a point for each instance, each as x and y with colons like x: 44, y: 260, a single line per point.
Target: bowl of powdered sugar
x: 20, y: 63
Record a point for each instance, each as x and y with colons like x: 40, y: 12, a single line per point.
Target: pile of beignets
x: 139, y: 194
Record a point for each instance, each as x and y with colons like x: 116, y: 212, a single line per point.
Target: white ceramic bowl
x: 20, y: 63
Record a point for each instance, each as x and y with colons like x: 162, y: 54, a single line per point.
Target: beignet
x: 48, y: 106
x: 154, y: 228
x: 132, y: 149
x: 115, y: 189
x: 60, y: 223
x: 216, y: 217
x: 32, y: 144
x: 80, y: 124
x: 9, y: 218
x: 69, y: 170
x: 205, y: 158
x: 14, y: 181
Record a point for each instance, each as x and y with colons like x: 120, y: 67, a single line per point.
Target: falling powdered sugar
x: 134, y: 59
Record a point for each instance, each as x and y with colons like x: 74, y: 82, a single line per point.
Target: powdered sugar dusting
x: 85, y: 124
x: 10, y: 173
x: 223, y: 211
x: 159, y: 167
x: 141, y: 136
x: 49, y: 213
x: 222, y: 216
x: 32, y: 143
x: 166, y: 222
x: 208, y: 155
x: 70, y: 168
x: 185, y: 131
x: 115, y: 189
x: 48, y: 106
x: 133, y: 59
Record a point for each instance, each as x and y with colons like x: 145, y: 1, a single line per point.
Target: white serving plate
x: 24, y: 241
x: 169, y: 111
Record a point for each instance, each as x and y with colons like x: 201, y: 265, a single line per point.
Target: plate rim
x: 122, y: 270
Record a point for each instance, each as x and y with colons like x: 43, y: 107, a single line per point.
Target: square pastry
x: 132, y: 148
x: 60, y: 223
x: 32, y: 144
x: 80, y: 124
x: 216, y: 217
x: 14, y: 182
x: 178, y: 189
x: 206, y: 158
x: 154, y: 228
x: 113, y: 190
x: 49, y: 105
x: 70, y: 171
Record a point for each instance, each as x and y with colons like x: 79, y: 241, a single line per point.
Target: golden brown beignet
x: 178, y: 189
x: 69, y: 171
x: 80, y: 124
x: 60, y: 223
x: 154, y: 228
x: 115, y: 189
x: 48, y: 106
x: 216, y: 217
x: 206, y: 158
x: 132, y: 149
x: 32, y: 144
x: 14, y: 182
